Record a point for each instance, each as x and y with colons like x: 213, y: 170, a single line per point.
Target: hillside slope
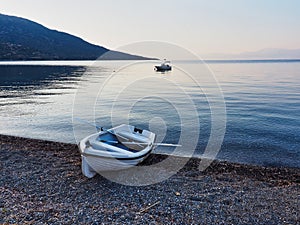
x: 22, y: 39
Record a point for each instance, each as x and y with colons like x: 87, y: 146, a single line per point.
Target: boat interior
x: 116, y: 140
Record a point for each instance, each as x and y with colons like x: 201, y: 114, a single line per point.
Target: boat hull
x: 163, y: 69
x: 92, y: 165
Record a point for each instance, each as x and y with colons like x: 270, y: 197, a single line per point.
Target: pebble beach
x: 41, y: 183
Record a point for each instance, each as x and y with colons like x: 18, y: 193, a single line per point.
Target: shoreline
x: 42, y: 183
x: 156, y: 157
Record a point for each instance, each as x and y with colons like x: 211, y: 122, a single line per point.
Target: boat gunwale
x: 114, y: 154
x: 118, y: 158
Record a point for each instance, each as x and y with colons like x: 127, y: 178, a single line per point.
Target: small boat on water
x: 165, y: 66
x: 118, y: 148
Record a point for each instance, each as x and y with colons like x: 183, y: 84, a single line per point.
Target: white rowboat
x: 118, y: 148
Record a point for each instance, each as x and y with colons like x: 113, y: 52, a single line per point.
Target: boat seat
x: 133, y: 137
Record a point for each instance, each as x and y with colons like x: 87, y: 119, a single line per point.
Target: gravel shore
x: 41, y: 183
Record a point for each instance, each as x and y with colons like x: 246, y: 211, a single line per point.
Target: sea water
x: 260, y: 99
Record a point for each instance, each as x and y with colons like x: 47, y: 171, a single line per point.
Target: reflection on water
x: 262, y: 103
x: 35, y: 101
x: 30, y: 81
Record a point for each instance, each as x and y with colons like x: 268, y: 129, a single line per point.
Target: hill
x: 22, y: 39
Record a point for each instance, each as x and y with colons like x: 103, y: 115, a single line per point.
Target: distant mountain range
x: 270, y: 53
x: 22, y: 39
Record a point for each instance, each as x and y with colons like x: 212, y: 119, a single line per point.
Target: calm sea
x: 261, y: 99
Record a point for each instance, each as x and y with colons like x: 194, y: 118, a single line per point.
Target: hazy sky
x: 202, y: 26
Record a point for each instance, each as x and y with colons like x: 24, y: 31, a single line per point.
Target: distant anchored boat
x: 165, y: 66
